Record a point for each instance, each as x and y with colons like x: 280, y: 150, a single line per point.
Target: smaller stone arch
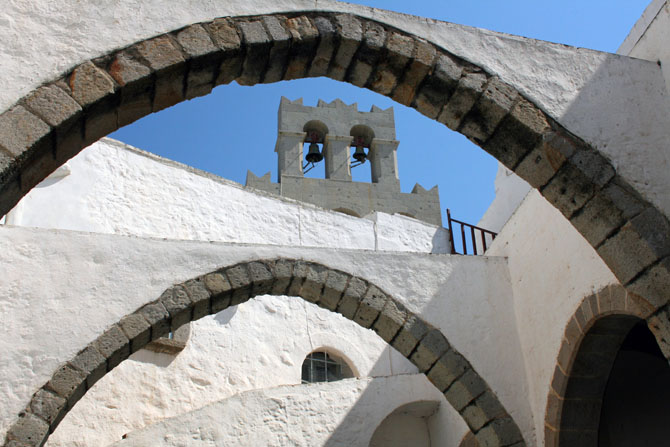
x: 354, y: 298
x: 591, y: 342
x: 406, y: 425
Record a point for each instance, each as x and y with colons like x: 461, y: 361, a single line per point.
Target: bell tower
x: 343, y: 138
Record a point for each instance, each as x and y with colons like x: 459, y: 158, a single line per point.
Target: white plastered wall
x: 618, y: 104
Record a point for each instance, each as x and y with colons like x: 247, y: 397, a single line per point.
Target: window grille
x: 322, y: 367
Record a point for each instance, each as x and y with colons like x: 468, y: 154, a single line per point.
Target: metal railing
x: 472, y: 233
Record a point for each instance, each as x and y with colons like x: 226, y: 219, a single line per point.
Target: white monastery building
x: 146, y: 303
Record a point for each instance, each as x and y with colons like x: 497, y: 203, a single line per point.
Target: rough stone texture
x: 136, y: 87
x: 352, y: 297
x: 53, y: 106
x: 282, y: 270
x: 438, y: 87
x: 89, y: 84
x: 200, y: 298
x: 158, y: 318
x: 257, y: 44
x: 225, y: 35
x: 501, y: 431
x: 204, y: 60
x: 92, y: 363
x: 351, y: 34
x: 430, y: 349
x: 390, y: 321
x: 137, y: 329
x: 336, y: 283
x: 653, y: 285
x: 315, y: 278
x: 391, y: 68
x: 447, y: 369
x: 304, y: 39
x: 68, y: 383
x: 280, y: 46
x: 114, y: 345
x: 468, y: 90
x: 179, y: 306
x: 327, y: 44
x: 165, y: 59
x: 495, y: 102
x: 409, y: 336
x: 47, y: 406
x: 368, y: 54
x: 240, y: 282
x: 638, y: 244
x: 519, y: 132
x: 421, y: 64
x: 370, y: 307
x: 21, y: 133
x: 465, y: 389
x: 29, y: 430
x: 542, y: 163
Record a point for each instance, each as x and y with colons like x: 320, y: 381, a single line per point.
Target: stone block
x: 577, y: 180
x: 502, y: 431
x: 326, y: 48
x: 261, y: 278
x: 490, y: 406
x: 419, y: 66
x: 399, y: 50
x: 468, y: 90
x: 68, y: 383
x: 178, y: 304
x: 53, y: 106
x: 278, y: 59
x: 136, y: 87
x: 200, y: 298
x: 113, y: 345
x: 548, y: 155
x: 225, y: 35
x: 166, y: 60
x: 158, y: 317
x: 351, y: 34
x: 659, y: 325
x: 92, y: 363
x: 48, y: 406
x: 368, y: 54
x: 205, y: 59
x: 304, y: 40
x: 22, y: 133
x: 221, y: 291
x: 390, y: 320
x: 465, y: 389
x: 89, y: 84
x: 336, y: 283
x: 257, y: 44
x: 438, y: 86
x: 409, y: 336
x: 641, y: 242
x: 282, y: 270
x: 518, y: 133
x: 607, y: 211
x: 474, y: 417
x: 315, y: 278
x: 654, y: 284
x: 370, y: 307
x: 240, y: 282
x: 29, y: 430
x: 495, y: 102
x: 431, y: 347
x: 137, y: 329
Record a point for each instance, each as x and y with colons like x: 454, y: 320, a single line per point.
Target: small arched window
x: 322, y: 366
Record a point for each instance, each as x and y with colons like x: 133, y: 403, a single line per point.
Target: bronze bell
x: 359, y: 154
x: 314, y: 155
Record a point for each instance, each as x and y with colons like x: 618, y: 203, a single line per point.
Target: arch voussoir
x: 355, y: 298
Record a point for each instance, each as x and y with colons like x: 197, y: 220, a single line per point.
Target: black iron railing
x: 472, y: 233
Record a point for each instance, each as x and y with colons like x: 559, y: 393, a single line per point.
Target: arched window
x: 322, y: 366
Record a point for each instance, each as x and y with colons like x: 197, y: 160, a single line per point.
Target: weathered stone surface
x: 195, y: 41
x: 474, y: 417
x: 336, y: 283
x: 315, y: 278
x: 29, y: 430
x: 548, y: 155
x: 518, y: 133
x: 431, y: 347
x: 113, y: 345
x: 368, y: 54
x: 418, y: 68
x: 240, y: 282
x: 137, y: 329
x: 438, y: 87
x: 391, y: 319
x: 204, y: 59
x: 659, y: 325
x: 127, y: 70
x: 178, y: 304
x: 469, y: 440
x: 495, y: 102
x: 278, y: 58
x: 370, y: 306
x: 282, y: 270
x: 352, y: 297
x: 577, y: 180
x: 68, y: 383
x: 225, y: 35
x: 21, y: 131
x: 324, y: 52
x: 304, y: 37
x: 502, y: 431
x: 48, y: 406
x: 468, y: 90
x: 158, y: 317
x: 257, y: 44
x: 391, y: 68
x: 261, y: 278
x: 638, y: 244
x: 409, y: 336
x: 218, y: 285
x: 465, y: 389
x: 489, y: 404
x: 53, y: 105
x: 200, y: 298
x: 89, y: 84
x: 136, y: 87
x: 607, y: 211
x: 92, y: 363
x: 654, y: 284
x: 160, y: 53
x: 351, y: 34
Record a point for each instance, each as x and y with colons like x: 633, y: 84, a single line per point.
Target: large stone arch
x: 355, y: 298
x: 55, y: 121
x: 592, y: 339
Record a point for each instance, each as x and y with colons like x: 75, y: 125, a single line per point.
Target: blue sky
x: 234, y: 128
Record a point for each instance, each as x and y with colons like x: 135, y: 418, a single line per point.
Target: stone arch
x: 597, y: 329
x: 353, y: 297
x: 388, y: 431
x: 55, y: 121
